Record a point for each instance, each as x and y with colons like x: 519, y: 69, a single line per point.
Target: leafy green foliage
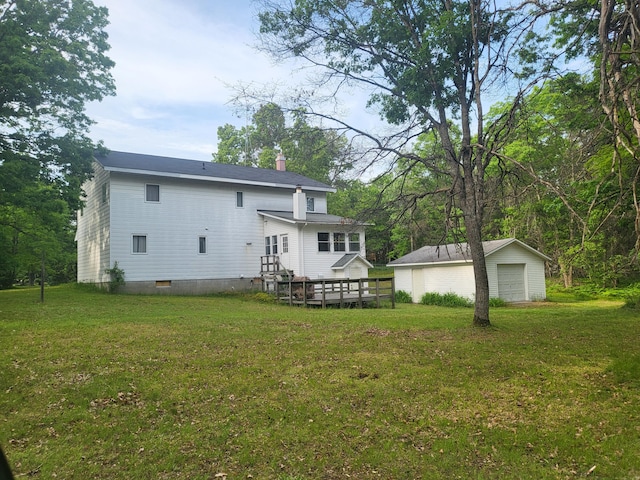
x: 117, y: 277
x: 309, y: 150
x: 52, y: 61
x: 445, y: 300
x: 403, y: 297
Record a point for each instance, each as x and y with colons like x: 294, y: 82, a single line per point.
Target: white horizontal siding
x: 92, y: 234
x: 187, y: 210
x: 456, y: 279
x: 318, y: 264
x: 535, y: 288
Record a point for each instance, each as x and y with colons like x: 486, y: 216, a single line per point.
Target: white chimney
x: 299, y: 204
x: 280, y: 165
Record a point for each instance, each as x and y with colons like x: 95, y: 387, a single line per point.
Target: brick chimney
x: 280, y: 166
x: 299, y: 204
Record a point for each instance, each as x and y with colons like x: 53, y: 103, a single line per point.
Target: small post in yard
x: 42, y: 273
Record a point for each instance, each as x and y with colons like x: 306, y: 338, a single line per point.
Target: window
x: 105, y: 193
x: 285, y: 243
x: 354, y: 242
x: 323, y: 242
x: 239, y: 200
x: 311, y: 204
x: 267, y: 245
x: 338, y: 242
x: 274, y: 244
x: 202, y: 244
x: 139, y: 244
x: 152, y: 193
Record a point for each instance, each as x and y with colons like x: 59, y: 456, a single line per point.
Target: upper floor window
x: 354, y: 242
x: 152, y: 193
x: 339, y: 242
x: 239, y: 199
x: 105, y: 193
x: 202, y: 244
x: 311, y: 204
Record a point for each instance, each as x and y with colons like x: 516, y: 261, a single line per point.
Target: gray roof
x: 347, y: 259
x: 457, y: 252
x: 195, y: 169
x: 317, y: 218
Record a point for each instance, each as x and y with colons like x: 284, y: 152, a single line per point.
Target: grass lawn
x: 97, y: 386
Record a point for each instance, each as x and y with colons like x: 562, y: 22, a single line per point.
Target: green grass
x: 97, y: 386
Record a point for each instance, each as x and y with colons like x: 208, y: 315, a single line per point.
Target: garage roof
x: 456, y: 252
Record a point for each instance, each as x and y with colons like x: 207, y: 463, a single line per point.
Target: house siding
x: 317, y: 265
x: 186, y: 211
x: 92, y: 234
x: 535, y: 287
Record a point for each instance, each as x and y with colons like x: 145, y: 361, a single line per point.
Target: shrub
x: 497, y: 302
x: 264, y: 297
x: 445, y: 300
x: 403, y: 297
x: 632, y: 302
x: 117, y: 277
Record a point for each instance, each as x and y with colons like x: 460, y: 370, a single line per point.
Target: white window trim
x: 241, y: 194
x: 146, y: 243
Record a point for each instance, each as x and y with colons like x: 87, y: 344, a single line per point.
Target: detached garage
x: 515, y: 271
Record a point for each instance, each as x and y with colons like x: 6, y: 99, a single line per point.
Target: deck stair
x: 272, y: 272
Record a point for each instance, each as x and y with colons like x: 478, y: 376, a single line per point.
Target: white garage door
x: 511, y: 283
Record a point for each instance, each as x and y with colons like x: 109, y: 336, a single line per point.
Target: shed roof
x: 194, y: 169
x: 315, y: 218
x: 349, y: 258
x: 457, y: 252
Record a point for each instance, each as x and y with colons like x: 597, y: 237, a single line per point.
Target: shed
x: 515, y: 271
x: 352, y: 265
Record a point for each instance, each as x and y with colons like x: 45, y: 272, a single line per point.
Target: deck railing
x: 341, y: 292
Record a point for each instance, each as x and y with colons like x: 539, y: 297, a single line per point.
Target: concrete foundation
x: 189, y: 287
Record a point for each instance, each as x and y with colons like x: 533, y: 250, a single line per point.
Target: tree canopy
x: 53, y: 60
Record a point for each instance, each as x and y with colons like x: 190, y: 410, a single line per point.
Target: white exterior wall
x: 534, y: 281
x: 92, y: 234
x: 303, y: 257
x: 317, y: 265
x: 453, y: 278
x: 187, y: 210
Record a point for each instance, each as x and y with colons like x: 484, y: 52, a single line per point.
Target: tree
x: 310, y: 150
x: 608, y: 32
x: 428, y: 65
x: 52, y: 61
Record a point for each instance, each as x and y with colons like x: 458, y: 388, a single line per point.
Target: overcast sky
x: 175, y: 63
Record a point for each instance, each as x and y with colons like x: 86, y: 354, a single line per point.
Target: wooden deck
x: 340, y: 292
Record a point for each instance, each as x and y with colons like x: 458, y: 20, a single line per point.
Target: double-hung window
x: 323, y: 242
x: 339, y: 242
x: 311, y: 204
x: 271, y: 245
x: 354, y: 242
x: 152, y: 193
x: 139, y: 244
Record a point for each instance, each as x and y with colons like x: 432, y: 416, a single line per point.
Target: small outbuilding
x: 515, y: 271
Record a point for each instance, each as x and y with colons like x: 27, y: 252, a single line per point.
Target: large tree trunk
x: 474, y: 240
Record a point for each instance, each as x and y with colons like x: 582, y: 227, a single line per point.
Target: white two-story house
x: 192, y: 227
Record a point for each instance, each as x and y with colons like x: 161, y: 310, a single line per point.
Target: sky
x: 176, y: 64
